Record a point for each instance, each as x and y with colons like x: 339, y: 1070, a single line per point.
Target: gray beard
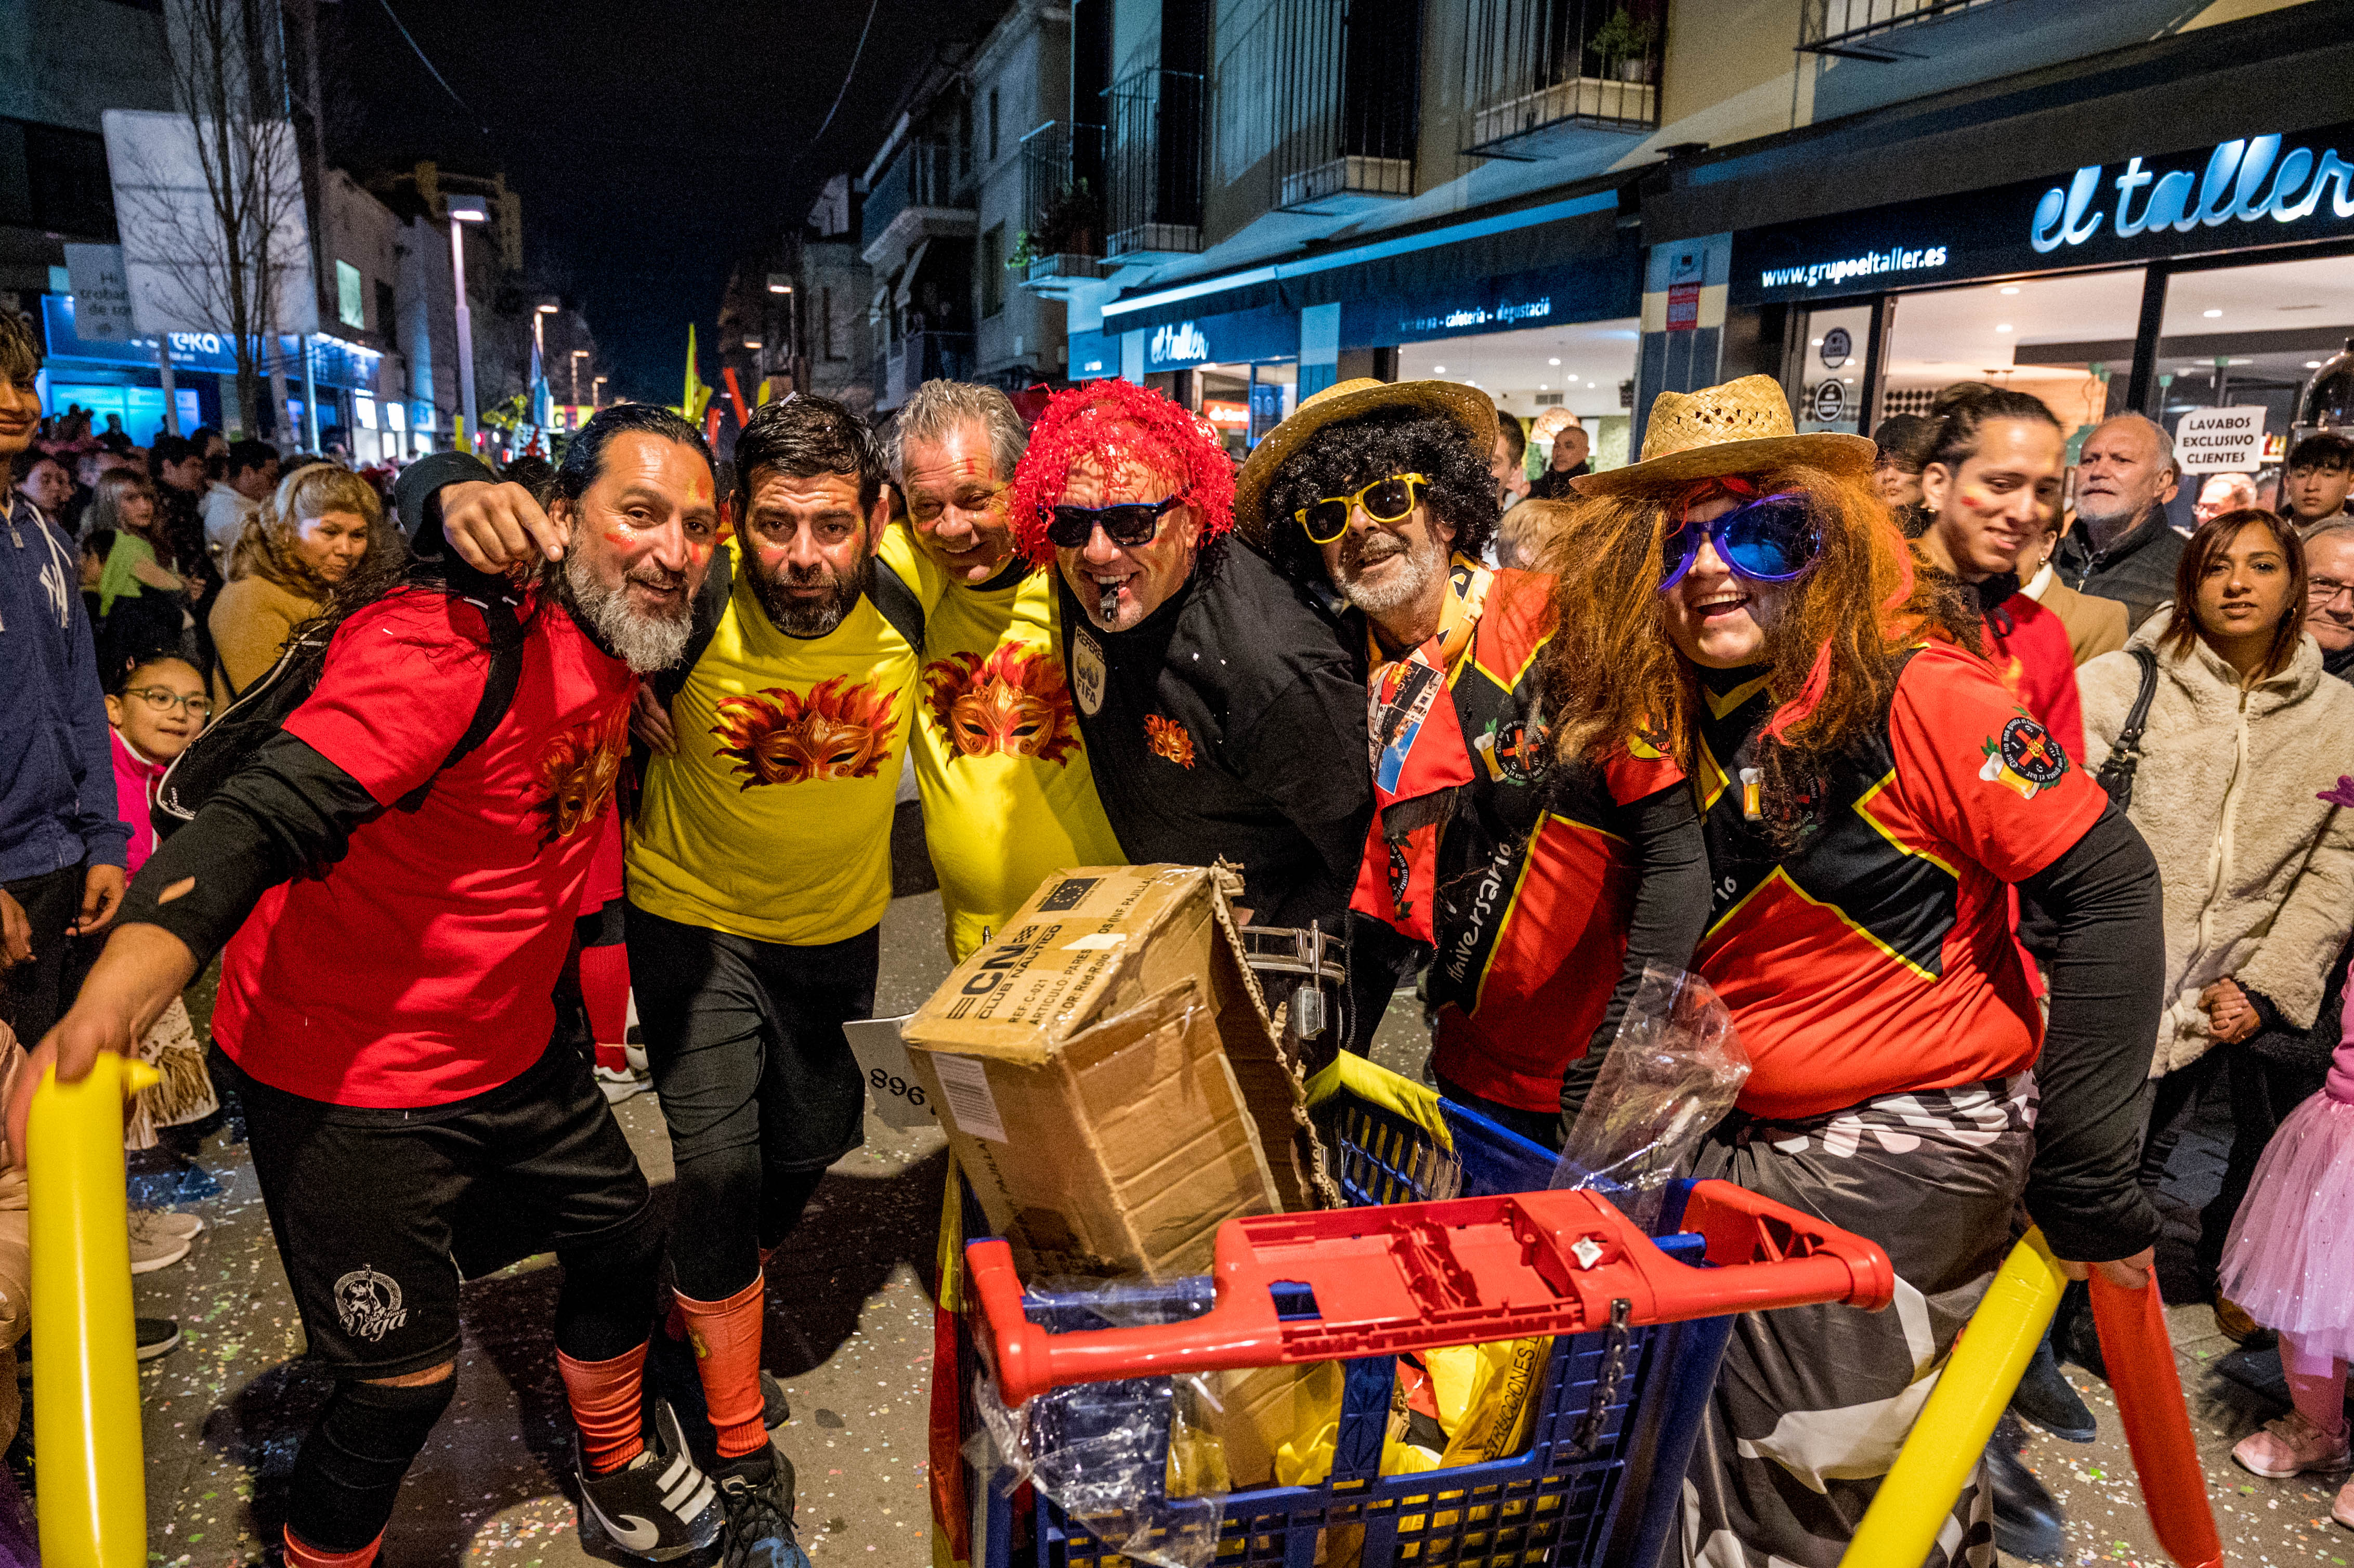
x: 2106, y: 529
x: 1426, y: 564
x: 812, y: 618
x: 646, y: 643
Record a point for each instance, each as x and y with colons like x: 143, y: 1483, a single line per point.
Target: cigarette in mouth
x: 1108, y: 608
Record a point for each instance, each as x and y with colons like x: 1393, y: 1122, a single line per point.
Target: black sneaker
x: 658, y: 1507
x: 758, y: 1494
x: 157, y: 1337
x: 2045, y: 1397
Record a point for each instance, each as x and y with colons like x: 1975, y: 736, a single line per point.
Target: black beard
x: 812, y: 617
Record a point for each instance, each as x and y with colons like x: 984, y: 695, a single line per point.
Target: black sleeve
x: 2107, y: 985
x: 286, y: 811
x: 414, y: 495
x: 2268, y: 1012
x: 1670, y: 912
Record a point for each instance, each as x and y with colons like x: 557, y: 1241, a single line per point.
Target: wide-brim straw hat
x: 1466, y: 406
x: 1739, y: 427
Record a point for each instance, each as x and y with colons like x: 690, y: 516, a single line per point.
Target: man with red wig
x: 1222, y: 706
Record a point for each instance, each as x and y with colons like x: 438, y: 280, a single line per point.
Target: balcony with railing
x: 1876, y: 30
x: 1062, y: 239
x: 1155, y: 133
x: 921, y: 357
x: 1346, y: 77
x: 914, y: 199
x: 1553, y: 77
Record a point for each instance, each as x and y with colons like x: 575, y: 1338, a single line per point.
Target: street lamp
x: 578, y: 356
x: 781, y: 284
x: 596, y: 397
x: 464, y: 209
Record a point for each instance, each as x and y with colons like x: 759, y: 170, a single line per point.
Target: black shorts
x: 378, y: 1211
x: 744, y: 1040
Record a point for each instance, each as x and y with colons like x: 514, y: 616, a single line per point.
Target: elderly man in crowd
x: 1542, y: 886
x: 1008, y: 794
x: 2224, y: 492
x: 1222, y: 706
x: 2122, y: 548
x: 2329, y: 595
x: 1571, y: 447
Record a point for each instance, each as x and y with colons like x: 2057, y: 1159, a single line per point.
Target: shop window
x: 1826, y: 380
x: 2064, y: 339
x: 2238, y: 338
x: 351, y: 296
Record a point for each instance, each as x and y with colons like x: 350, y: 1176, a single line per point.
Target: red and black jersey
x: 1878, y: 956
x: 1503, y: 858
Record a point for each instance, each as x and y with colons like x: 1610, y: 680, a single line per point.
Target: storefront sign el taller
x: 2257, y: 191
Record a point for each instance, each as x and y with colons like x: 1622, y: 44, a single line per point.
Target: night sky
x: 651, y: 144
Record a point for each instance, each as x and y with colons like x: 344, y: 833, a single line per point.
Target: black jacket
x: 2137, y: 570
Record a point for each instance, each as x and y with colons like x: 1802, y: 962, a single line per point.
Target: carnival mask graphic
x: 841, y: 729
x: 578, y: 773
x: 1015, y: 702
x: 1168, y: 740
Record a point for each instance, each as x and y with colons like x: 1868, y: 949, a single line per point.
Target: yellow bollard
x: 1949, y: 1438
x: 94, y: 1492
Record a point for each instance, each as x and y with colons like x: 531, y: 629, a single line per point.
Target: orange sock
x: 301, y: 1553
x: 605, y: 1397
x: 726, y: 1340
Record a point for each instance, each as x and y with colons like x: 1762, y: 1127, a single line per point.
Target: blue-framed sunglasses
x: 1772, y: 539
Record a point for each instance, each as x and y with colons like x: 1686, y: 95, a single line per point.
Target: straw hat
x: 1466, y: 406
x: 1738, y: 428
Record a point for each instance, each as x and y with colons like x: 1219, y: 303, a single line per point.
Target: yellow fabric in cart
x: 1486, y: 1395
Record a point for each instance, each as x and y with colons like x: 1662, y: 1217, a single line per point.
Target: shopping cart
x: 1638, y: 1326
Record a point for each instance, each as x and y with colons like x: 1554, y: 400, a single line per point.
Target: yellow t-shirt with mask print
x: 771, y: 820
x: 1008, y: 796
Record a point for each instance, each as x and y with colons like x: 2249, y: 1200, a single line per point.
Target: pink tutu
x: 2290, y: 1257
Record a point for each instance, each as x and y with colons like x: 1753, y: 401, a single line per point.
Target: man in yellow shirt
x: 1008, y: 798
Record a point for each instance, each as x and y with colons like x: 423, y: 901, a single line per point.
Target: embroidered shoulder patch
x: 2024, y: 758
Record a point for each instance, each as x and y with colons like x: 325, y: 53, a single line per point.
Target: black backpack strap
x: 498, y: 689
x: 898, y: 604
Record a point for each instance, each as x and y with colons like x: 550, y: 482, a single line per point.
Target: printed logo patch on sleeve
x: 2024, y: 758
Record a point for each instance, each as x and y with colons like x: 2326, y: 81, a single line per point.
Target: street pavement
x: 849, y: 1334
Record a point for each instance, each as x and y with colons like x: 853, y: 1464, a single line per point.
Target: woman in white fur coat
x: 2244, y: 731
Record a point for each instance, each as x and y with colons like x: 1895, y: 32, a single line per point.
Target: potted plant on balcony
x: 1070, y: 230
x: 1624, y: 46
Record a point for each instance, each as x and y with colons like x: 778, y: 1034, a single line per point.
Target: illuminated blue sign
x: 2245, y: 180
x: 2270, y: 190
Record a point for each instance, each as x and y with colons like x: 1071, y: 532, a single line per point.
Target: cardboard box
x: 1108, y: 1078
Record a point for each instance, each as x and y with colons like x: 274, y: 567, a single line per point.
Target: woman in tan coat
x: 308, y: 538
x: 2245, y: 738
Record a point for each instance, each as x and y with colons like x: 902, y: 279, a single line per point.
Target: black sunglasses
x: 1129, y: 523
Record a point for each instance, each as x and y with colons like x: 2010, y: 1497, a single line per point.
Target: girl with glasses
x: 1868, y: 792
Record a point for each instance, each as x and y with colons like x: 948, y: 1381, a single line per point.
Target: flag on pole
x: 710, y: 422
x: 698, y: 396
x: 735, y: 396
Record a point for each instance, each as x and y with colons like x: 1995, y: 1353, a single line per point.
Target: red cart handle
x: 1340, y: 1284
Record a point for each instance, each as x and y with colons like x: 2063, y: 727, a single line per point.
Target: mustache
x: 1368, y: 549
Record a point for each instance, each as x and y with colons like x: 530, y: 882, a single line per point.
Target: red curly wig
x: 1119, y: 422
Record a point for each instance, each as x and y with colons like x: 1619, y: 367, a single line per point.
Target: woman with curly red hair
x: 1223, y: 707
x: 1868, y: 790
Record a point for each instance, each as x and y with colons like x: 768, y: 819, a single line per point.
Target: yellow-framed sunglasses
x: 1384, y: 501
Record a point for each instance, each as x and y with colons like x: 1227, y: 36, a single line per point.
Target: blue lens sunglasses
x: 1772, y: 539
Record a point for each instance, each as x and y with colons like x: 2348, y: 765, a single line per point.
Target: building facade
x: 1578, y: 204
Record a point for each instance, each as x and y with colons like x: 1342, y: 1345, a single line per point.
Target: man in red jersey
x: 396, y: 907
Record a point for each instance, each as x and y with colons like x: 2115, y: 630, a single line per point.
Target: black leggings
x: 756, y: 1079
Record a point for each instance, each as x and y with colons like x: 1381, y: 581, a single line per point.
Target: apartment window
x: 825, y: 325
x: 992, y: 272
x: 388, y: 318
x: 992, y: 125
x: 351, y: 296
